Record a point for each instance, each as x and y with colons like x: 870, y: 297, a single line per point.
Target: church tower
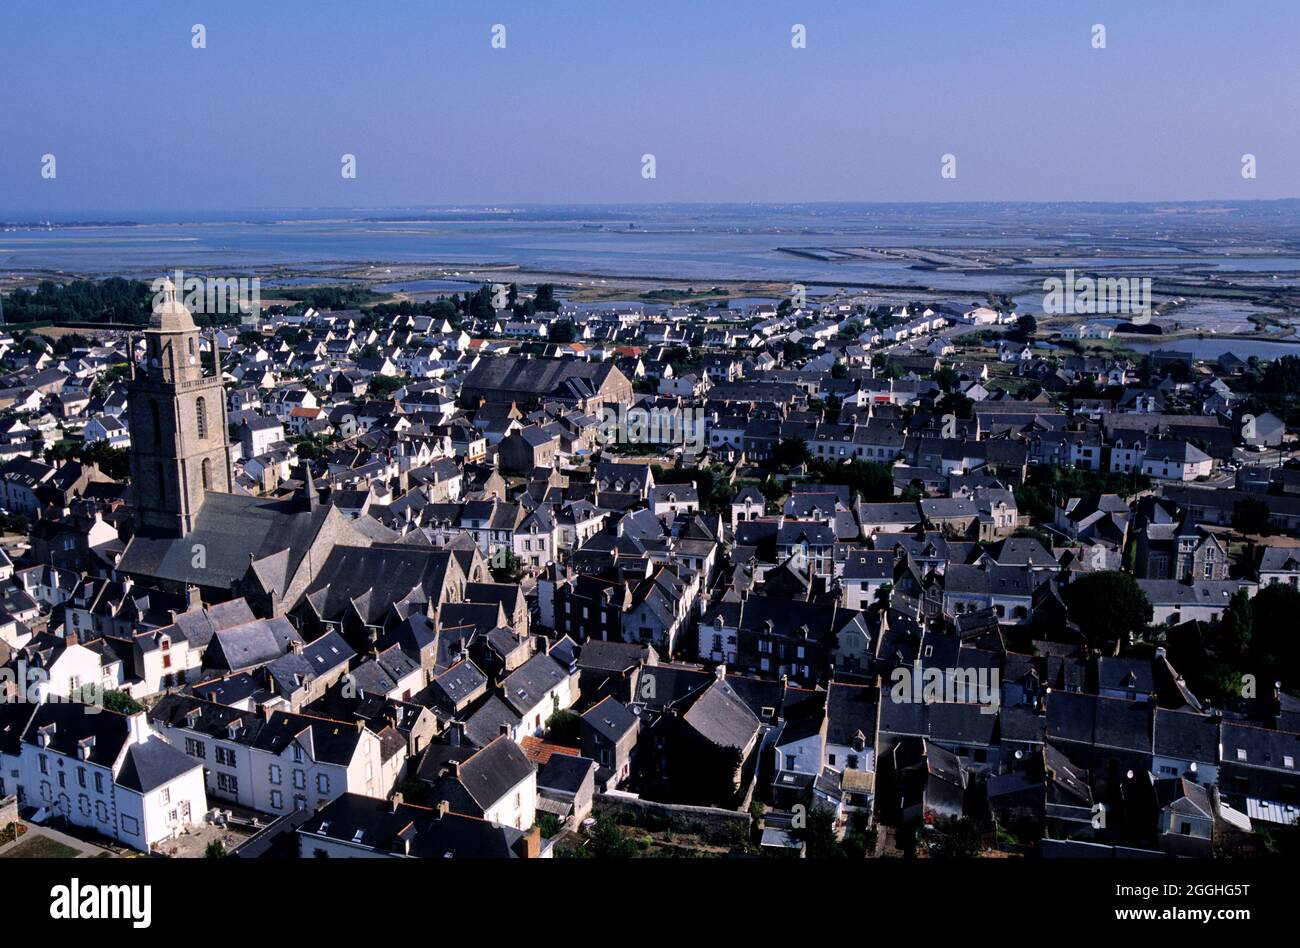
x: 179, y: 438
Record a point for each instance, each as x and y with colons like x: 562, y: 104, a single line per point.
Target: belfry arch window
x: 201, y: 416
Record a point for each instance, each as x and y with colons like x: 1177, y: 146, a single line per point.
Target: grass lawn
x: 40, y: 847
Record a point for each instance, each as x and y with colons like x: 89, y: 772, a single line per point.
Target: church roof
x: 230, y: 531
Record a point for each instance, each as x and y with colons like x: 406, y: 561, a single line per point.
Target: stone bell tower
x: 179, y: 440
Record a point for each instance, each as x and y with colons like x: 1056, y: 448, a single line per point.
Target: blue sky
x: 139, y: 120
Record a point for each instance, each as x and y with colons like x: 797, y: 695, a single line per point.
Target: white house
x: 107, y: 428
x: 108, y: 772
x: 281, y: 762
x: 537, y: 689
x: 1176, y: 461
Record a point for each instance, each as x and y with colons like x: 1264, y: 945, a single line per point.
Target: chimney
x: 361, y: 725
x: 529, y: 846
x: 70, y: 638
x: 453, y: 769
x: 505, y: 729
x: 721, y: 671
x: 442, y: 809
x: 396, y: 802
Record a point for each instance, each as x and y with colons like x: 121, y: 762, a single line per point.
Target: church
x: 191, y: 529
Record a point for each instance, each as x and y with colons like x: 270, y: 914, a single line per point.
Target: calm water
x: 688, y: 242
x: 1211, y: 348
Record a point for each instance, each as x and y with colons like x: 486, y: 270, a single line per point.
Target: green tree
x: 562, y: 726
x: 1274, y: 649
x: 947, y: 378
x: 1108, y: 605
x: 1026, y: 326
x: 791, y: 452
x: 818, y: 834
x: 121, y: 702
x: 1250, y: 515
x: 549, y: 824
x: 1238, y: 630
x: 506, y: 567
x: 609, y: 842
x: 955, y: 839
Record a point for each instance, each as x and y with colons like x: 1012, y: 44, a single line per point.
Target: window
x: 195, y: 748
x: 322, y: 783
x: 277, y: 800
x: 228, y: 783
x: 225, y: 757
x: 99, y: 783
x: 164, y: 796
x: 274, y: 774
x: 207, y: 473
x: 299, y: 779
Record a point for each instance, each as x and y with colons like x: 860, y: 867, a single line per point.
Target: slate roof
x: 489, y: 774
x: 565, y: 773
x: 721, y: 717
x: 610, y: 719
x: 387, y: 828
x: 528, y: 683
x: 231, y: 528
x: 254, y: 643
x: 152, y: 764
